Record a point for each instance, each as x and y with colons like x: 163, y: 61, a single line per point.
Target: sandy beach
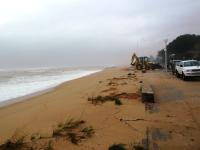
x: 99, y: 75
x: 129, y: 123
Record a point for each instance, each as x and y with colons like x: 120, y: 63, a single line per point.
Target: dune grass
x: 123, y: 147
x: 118, y: 102
x: 102, y: 99
x: 138, y: 147
x: 73, y: 130
x: 13, y: 144
x: 117, y: 147
x: 66, y: 126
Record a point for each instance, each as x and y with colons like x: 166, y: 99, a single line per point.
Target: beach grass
x: 102, y: 99
x: 138, y: 147
x: 88, y: 131
x: 117, y: 147
x: 118, y: 102
x: 73, y: 130
x: 13, y: 144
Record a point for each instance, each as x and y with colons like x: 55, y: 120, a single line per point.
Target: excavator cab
x: 145, y: 62
x: 140, y: 62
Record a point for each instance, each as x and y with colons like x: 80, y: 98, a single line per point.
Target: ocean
x: 19, y: 83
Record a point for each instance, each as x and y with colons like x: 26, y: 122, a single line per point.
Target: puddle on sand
x: 152, y: 136
x: 157, y: 134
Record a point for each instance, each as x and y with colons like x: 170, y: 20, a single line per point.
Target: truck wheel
x: 177, y: 74
x: 184, y: 77
x: 139, y: 67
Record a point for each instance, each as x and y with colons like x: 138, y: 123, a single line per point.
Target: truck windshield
x: 176, y: 62
x: 191, y: 63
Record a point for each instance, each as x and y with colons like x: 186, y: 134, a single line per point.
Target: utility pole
x: 165, y: 41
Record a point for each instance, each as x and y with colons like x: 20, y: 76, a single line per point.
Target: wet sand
x: 130, y: 123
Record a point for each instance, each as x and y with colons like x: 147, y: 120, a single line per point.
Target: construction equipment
x: 136, y: 62
x: 141, y: 62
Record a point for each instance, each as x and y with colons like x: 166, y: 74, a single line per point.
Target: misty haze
x: 99, y: 75
x: 84, y: 33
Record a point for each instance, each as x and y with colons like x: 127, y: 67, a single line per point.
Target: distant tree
x: 185, y: 47
x: 161, y: 57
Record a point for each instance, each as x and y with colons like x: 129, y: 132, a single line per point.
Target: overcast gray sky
x: 41, y: 33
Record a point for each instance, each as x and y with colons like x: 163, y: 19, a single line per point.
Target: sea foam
x: 14, y: 84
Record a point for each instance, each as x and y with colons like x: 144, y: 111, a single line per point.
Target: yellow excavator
x: 141, y: 62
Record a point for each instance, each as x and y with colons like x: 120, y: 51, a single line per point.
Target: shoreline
x: 38, y: 118
x: 43, y: 111
x: 21, y: 99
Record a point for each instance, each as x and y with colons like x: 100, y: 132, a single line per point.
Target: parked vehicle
x: 188, y: 68
x: 173, y: 64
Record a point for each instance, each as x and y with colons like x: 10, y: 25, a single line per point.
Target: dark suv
x: 173, y: 65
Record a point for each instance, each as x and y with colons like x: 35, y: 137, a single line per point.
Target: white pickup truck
x: 188, y: 68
